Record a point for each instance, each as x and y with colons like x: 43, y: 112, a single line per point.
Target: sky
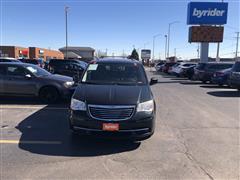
x: 115, y: 25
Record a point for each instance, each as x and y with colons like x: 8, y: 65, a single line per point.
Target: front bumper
x: 68, y: 92
x: 235, y: 83
x: 219, y: 80
x: 134, y: 128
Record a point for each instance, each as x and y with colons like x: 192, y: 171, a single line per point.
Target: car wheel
x: 204, y: 82
x: 49, y: 95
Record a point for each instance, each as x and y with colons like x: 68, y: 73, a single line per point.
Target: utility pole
x: 66, y: 26
x: 236, y: 53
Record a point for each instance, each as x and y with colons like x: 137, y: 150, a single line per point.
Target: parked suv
x: 7, y: 59
x: 114, y: 99
x: 21, y: 79
x: 234, y: 78
x: 71, y: 67
x: 205, y: 71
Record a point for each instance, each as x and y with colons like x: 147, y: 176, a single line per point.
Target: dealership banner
x: 205, y: 34
x: 207, y: 13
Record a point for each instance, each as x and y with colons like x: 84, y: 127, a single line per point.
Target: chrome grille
x: 105, y: 112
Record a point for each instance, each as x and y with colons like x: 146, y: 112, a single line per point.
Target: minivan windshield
x: 37, y: 71
x: 115, y: 73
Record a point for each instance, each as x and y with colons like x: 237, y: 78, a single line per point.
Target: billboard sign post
x: 204, y: 13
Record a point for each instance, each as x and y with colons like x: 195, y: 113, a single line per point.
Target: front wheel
x: 49, y: 95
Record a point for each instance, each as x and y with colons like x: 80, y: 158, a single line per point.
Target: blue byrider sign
x: 207, y: 13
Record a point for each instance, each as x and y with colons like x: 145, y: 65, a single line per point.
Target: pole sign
x: 207, y: 13
x: 146, y: 54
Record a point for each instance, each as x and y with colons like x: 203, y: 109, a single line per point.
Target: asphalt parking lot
x: 196, y: 137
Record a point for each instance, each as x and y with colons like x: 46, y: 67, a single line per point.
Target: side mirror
x: 153, y: 81
x: 28, y: 76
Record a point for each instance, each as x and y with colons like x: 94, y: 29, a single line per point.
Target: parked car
x: 72, y: 68
x: 204, y: 71
x: 7, y: 59
x: 22, y: 79
x: 184, y: 69
x: 234, y: 77
x: 172, y: 70
x: 221, y: 77
x: 189, y: 72
x: 167, y: 66
x: 158, y: 66
x: 38, y: 62
x: 114, y: 98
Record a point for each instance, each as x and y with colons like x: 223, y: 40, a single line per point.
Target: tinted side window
x: 15, y: 71
x: 236, y: 67
x: 2, y: 70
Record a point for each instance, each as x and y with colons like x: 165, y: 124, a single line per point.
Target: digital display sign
x: 205, y: 34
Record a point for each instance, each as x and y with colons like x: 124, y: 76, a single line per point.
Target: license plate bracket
x: 110, y: 127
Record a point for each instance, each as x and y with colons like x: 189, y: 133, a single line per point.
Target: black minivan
x: 114, y: 100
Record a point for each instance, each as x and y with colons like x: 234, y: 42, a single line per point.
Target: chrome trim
x: 99, y: 130
x: 111, y: 107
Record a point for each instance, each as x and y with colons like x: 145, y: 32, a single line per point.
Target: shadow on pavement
x: 179, y: 78
x: 47, y: 132
x: 213, y: 86
x: 8, y: 100
x: 191, y: 83
x: 224, y: 93
x: 168, y: 82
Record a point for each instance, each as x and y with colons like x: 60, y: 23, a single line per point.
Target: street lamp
x: 169, y: 27
x: 66, y: 18
x: 154, y: 37
x: 165, y: 46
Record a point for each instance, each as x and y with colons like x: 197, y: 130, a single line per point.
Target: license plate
x: 110, y: 126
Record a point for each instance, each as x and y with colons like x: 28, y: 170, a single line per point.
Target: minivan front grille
x: 106, y: 112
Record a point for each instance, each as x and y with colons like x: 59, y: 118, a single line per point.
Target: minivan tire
x: 49, y: 95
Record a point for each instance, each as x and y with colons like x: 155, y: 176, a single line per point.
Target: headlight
x: 78, y: 105
x: 68, y: 84
x: 147, y: 106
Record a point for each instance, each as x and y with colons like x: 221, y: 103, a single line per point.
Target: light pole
x: 165, y: 47
x: 154, y: 37
x: 66, y: 18
x: 169, y: 28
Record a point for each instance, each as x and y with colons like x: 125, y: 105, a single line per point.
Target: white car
x: 178, y: 69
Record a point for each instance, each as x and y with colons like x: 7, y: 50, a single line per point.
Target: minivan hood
x: 58, y: 77
x: 112, y: 94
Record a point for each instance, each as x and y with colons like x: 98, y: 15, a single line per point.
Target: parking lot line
x: 28, y: 142
x: 30, y: 107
